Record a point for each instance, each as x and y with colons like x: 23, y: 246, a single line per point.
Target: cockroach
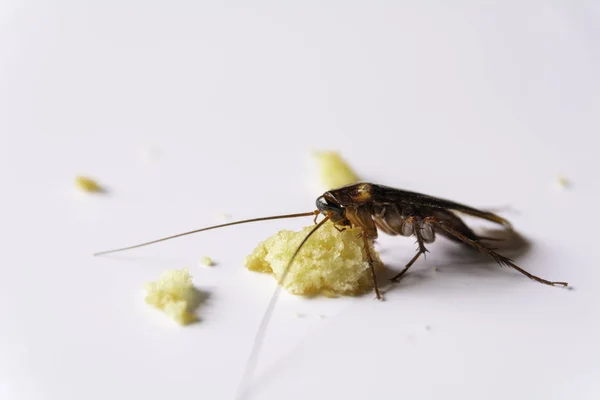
x: 396, y: 212
x: 373, y: 207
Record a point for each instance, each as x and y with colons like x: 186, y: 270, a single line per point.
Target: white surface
x: 486, y: 105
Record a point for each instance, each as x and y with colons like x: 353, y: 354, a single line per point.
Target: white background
x: 486, y: 105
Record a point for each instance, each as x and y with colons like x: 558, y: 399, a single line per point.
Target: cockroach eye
x: 327, y: 208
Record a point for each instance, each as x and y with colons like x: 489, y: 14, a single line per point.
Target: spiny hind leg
x: 499, y: 258
x: 455, y: 222
x: 421, y: 251
x: 397, y: 277
x: 371, y: 264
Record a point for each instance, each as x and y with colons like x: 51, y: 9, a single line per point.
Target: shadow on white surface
x: 461, y: 257
x: 198, y: 298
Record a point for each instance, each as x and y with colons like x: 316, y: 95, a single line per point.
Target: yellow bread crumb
x: 334, y: 171
x: 331, y: 263
x: 207, y: 261
x: 172, y: 294
x: 88, y: 185
x: 562, y: 182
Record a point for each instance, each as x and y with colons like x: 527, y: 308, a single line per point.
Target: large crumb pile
x: 331, y: 263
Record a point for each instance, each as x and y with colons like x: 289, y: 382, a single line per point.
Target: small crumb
x: 88, y: 185
x: 172, y: 293
x: 427, y: 327
x: 322, y: 316
x: 207, y: 261
x: 434, y: 268
x: 300, y: 315
x: 563, y: 183
x: 334, y: 170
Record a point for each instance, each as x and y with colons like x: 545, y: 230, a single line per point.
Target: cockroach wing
x: 361, y: 193
x: 386, y: 194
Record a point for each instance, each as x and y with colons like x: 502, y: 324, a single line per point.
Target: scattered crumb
x: 562, y: 182
x: 88, y: 185
x: 300, y: 315
x: 207, y: 261
x: 331, y: 263
x: 172, y: 294
x: 434, y: 268
x: 334, y: 171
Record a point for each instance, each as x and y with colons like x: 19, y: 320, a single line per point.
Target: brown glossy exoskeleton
x: 398, y: 212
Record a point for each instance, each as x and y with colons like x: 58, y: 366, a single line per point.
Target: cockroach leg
x: 371, y: 265
x: 497, y: 257
x: 339, y: 229
x: 422, y: 250
x: 397, y: 277
x: 419, y: 235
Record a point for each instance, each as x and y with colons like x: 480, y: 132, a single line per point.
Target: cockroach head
x: 330, y: 208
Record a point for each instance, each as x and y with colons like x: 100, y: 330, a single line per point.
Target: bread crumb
x: 172, y: 294
x: 434, y: 268
x: 300, y: 315
x: 331, y: 263
x: 562, y: 182
x: 334, y: 171
x: 88, y: 185
x: 207, y: 261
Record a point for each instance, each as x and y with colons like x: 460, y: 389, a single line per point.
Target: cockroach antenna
x: 245, y: 221
x: 266, y: 318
